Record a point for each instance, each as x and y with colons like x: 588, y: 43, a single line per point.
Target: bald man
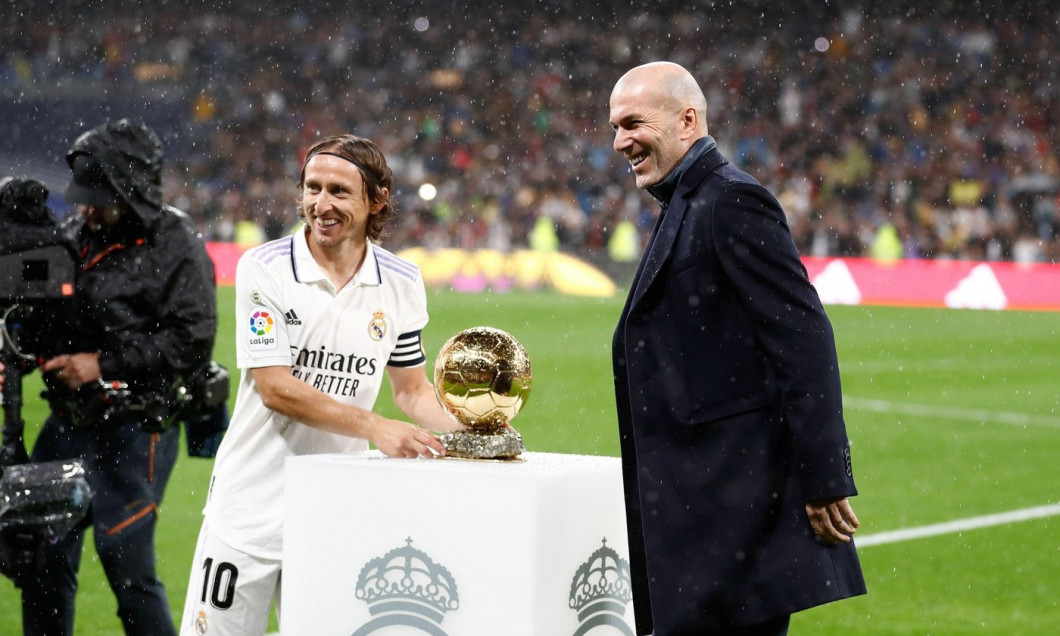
x: 735, y: 455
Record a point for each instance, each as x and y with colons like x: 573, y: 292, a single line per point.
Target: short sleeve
x: 261, y: 333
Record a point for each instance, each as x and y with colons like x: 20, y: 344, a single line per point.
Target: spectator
x: 877, y: 111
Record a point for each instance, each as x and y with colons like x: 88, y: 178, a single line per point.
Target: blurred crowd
x: 903, y: 134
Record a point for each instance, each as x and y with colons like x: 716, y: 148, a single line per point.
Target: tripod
x: 12, y: 444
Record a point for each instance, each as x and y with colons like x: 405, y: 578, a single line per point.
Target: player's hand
x: 833, y: 520
x: 401, y: 439
x: 74, y: 369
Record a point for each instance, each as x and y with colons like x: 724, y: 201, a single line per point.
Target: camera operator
x: 143, y: 317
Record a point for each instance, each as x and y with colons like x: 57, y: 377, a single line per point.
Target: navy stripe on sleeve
x: 408, y: 352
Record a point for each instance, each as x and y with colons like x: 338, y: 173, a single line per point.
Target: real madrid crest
x: 377, y: 326
x: 255, y: 296
x: 200, y: 623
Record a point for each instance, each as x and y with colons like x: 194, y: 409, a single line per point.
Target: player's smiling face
x: 647, y: 132
x: 335, y: 204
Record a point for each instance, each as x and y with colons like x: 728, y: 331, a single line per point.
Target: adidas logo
x: 980, y: 289
x: 291, y: 317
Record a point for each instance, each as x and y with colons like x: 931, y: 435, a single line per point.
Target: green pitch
x: 952, y: 415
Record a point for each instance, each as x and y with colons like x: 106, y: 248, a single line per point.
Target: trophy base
x: 505, y: 445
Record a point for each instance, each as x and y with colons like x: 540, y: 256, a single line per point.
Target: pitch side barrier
x: 839, y: 281
x: 476, y: 270
x: 937, y: 283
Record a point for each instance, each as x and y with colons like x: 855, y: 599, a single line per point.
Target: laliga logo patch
x: 377, y: 326
x: 261, y: 324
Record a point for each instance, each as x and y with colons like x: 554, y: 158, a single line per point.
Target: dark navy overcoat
x: 730, y: 415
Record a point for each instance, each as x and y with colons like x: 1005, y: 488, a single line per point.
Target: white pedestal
x: 377, y: 546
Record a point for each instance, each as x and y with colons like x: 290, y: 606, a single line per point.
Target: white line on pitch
x: 893, y: 365
x: 960, y: 525
x: 952, y: 412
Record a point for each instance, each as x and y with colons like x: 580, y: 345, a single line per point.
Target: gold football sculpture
x: 482, y: 377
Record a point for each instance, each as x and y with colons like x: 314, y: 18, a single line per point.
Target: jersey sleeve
x: 261, y: 339
x: 408, y: 350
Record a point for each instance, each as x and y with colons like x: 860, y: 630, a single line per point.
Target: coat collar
x: 672, y: 216
x: 664, y: 190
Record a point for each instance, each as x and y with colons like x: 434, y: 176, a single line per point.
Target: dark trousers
x: 127, y: 470
x: 773, y: 627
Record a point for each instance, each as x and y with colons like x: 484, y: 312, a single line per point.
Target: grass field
x: 952, y: 415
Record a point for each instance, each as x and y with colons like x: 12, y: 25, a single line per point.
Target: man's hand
x: 74, y: 369
x: 401, y: 439
x: 833, y: 520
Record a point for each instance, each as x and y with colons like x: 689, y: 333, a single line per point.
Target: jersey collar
x: 306, y: 269
x: 369, y: 272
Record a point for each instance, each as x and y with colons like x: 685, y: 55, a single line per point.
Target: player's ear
x: 381, y: 201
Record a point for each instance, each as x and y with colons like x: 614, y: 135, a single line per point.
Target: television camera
x: 39, y: 263
x: 39, y: 502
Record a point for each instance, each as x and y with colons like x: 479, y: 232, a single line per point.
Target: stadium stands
x: 925, y: 134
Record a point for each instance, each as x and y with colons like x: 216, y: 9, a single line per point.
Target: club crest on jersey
x: 260, y: 336
x: 200, y: 623
x: 255, y: 296
x: 377, y: 326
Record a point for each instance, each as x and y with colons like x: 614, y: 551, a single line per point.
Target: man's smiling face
x: 334, y: 202
x: 647, y: 129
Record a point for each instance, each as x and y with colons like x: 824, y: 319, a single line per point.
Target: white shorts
x: 229, y: 591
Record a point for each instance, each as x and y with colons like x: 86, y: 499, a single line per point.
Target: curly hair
x: 369, y: 160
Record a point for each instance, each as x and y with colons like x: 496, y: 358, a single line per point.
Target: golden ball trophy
x: 482, y: 378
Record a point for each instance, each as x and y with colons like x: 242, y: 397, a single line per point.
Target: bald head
x: 667, y: 82
x: 657, y: 112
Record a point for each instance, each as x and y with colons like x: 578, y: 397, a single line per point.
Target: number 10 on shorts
x: 219, y: 584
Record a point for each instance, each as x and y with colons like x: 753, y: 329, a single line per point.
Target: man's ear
x: 384, y: 196
x: 689, y: 122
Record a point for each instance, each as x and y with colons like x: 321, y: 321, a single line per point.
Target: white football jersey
x: 289, y: 314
